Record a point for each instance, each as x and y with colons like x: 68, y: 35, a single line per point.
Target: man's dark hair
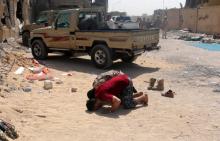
x: 91, y: 94
x: 90, y: 104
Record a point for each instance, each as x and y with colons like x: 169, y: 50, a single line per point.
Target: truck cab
x: 46, y: 18
x: 85, y: 31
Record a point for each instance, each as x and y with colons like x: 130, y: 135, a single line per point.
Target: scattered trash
x: 20, y: 71
x: 216, y: 36
x: 36, y: 70
x: 41, y: 77
x: 8, y: 129
x: 208, y: 40
x: 73, y: 90
x: 169, y: 94
x: 48, y: 85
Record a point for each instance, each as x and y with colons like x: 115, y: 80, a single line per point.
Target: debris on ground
x: 186, y: 35
x: 169, y: 94
x: 20, y: 71
x: 73, y: 90
x: 48, y: 85
x: 27, y: 89
x: 208, y: 40
x: 8, y: 130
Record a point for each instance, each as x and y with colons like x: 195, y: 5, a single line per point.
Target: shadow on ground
x: 117, y: 114
x: 83, y: 65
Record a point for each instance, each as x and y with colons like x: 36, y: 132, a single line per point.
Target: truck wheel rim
x: 100, y: 57
x: 37, y: 50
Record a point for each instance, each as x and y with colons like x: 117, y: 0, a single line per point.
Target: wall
x: 204, y: 20
x: 173, y: 16
x: 189, y: 19
x: 209, y: 19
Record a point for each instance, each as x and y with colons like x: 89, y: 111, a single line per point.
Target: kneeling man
x: 115, y: 92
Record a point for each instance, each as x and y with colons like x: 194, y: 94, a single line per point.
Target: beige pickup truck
x: 46, y: 18
x: 84, y: 31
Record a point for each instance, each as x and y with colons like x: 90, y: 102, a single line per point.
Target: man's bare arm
x: 116, y: 102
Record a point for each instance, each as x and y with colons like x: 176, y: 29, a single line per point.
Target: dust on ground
x: 60, y: 114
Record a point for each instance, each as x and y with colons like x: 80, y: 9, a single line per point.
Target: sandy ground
x: 60, y: 115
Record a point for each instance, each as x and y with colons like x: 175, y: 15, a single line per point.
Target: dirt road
x: 60, y: 115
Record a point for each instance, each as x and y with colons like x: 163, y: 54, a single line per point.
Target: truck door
x: 60, y: 36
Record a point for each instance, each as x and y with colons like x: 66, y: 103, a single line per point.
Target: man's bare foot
x: 145, y: 99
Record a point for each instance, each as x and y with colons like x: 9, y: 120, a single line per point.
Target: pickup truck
x: 45, y: 19
x: 85, y: 31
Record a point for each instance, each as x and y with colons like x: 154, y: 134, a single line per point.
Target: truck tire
x: 25, y: 38
x: 101, y: 56
x: 39, y: 50
x: 129, y: 59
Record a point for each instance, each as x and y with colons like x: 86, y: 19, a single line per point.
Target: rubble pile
x: 11, y: 56
x: 187, y: 35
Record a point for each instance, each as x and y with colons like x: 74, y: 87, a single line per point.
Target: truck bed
x: 119, y: 38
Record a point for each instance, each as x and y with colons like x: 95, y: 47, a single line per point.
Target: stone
x: 7, y: 90
x: 15, y: 79
x: 73, y: 90
x: 27, y: 89
x: 31, y: 81
x: 59, y: 82
x: 48, y: 85
x: 13, y: 88
x: 216, y: 90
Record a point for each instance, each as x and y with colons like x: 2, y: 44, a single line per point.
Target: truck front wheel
x: 101, y: 56
x: 25, y: 38
x: 129, y: 59
x: 39, y: 50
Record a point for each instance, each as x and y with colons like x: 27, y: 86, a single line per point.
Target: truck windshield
x: 43, y: 18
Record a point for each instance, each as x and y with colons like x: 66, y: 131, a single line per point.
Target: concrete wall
x: 189, y: 19
x: 204, y: 20
x: 173, y: 16
x: 209, y: 19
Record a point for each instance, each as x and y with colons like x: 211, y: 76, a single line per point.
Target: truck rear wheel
x: 129, y: 59
x: 39, y: 50
x: 101, y: 56
x: 25, y: 38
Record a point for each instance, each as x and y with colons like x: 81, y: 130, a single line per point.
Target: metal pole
x: 163, y: 5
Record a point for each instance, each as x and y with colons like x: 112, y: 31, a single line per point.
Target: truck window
x: 88, y: 21
x: 43, y: 18
x: 85, y: 16
x: 63, y: 20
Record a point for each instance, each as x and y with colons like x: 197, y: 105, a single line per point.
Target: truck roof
x: 81, y: 9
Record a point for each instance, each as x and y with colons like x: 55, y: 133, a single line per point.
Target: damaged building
x: 200, y: 3
x: 197, y: 16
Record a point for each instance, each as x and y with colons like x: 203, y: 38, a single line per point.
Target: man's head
x: 90, y: 104
x: 91, y: 94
